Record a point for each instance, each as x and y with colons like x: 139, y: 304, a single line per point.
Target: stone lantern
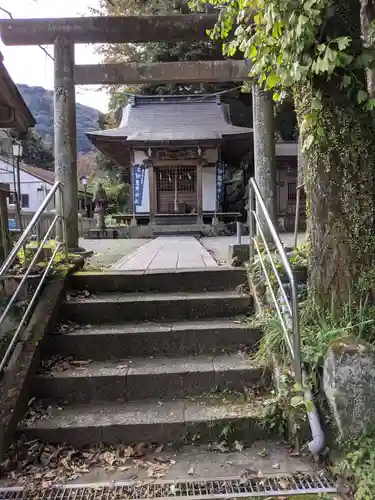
x: 101, y: 202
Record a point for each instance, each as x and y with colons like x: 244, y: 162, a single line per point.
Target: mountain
x: 40, y: 102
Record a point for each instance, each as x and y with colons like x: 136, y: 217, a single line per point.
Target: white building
x: 35, y: 185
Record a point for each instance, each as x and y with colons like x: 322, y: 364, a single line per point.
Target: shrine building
x: 178, y: 148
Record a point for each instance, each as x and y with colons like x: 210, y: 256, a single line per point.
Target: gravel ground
x: 218, y: 246
x: 107, y: 252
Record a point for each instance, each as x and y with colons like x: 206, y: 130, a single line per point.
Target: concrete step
x: 168, y: 221
x: 181, y: 338
x: 117, y: 308
x: 200, y: 463
x: 196, y: 233
x: 210, y: 279
x: 149, y: 378
x: 179, y: 421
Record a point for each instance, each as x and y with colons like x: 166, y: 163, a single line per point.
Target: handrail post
x: 251, y: 223
x: 296, y: 333
x: 63, y: 220
x: 239, y: 232
x: 293, y: 337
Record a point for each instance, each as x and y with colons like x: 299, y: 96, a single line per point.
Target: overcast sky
x: 31, y: 66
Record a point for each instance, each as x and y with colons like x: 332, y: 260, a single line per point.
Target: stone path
x: 167, y: 252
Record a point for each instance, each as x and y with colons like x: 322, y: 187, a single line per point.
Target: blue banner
x: 220, y: 167
x: 138, y: 181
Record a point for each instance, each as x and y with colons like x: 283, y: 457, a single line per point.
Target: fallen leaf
x: 81, y: 363
x: 109, y: 457
x: 284, y: 483
x: 124, y: 468
x: 220, y: 447
x: 173, y: 489
x: 140, y: 450
x: 238, y: 446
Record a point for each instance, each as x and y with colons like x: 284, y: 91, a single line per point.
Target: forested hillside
x: 40, y: 102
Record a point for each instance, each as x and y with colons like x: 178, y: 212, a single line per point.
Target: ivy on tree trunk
x: 315, y: 50
x: 340, y: 197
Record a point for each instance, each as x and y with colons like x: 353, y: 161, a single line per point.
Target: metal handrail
x: 291, y: 330
x: 59, y: 218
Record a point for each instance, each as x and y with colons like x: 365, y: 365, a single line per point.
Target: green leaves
x: 308, y: 142
x: 316, y: 104
x: 271, y: 81
x: 362, y: 96
x: 343, y: 42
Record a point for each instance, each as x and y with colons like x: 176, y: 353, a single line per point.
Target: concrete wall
x: 30, y: 185
x: 211, y: 155
x: 209, y: 188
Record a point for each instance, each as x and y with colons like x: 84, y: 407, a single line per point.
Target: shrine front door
x: 176, y: 189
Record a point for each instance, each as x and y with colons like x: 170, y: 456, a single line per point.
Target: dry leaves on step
x: 37, y: 464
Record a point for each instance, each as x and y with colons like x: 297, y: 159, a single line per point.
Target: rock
x: 349, y: 385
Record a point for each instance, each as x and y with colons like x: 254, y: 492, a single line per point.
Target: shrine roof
x: 18, y: 114
x: 150, y: 119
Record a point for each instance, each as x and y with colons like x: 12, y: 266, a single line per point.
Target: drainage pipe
x: 317, y: 443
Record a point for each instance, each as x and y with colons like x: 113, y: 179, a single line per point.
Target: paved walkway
x: 167, y: 252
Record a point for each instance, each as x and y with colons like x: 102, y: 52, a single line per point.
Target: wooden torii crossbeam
x: 159, y: 73
x: 64, y: 33
x: 113, y: 29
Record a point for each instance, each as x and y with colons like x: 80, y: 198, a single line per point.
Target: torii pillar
x: 264, y: 155
x: 65, y: 143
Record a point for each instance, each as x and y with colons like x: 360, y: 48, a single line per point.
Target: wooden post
x: 5, y: 241
x: 199, y: 192
x: 151, y: 190
x: 265, y: 155
x: 65, y: 136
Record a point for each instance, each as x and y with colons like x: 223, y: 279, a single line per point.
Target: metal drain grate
x: 209, y: 489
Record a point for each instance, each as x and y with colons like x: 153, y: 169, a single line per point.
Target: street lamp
x: 17, y: 149
x: 83, y: 180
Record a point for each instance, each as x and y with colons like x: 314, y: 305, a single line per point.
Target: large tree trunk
x: 367, y: 17
x: 340, y: 194
x: 340, y: 183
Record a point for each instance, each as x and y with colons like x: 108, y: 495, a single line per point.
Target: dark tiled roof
x: 173, y: 118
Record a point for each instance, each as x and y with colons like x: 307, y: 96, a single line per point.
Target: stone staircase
x: 158, y: 358
x: 152, y: 351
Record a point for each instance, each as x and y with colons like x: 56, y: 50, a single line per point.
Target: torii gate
x: 64, y: 33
